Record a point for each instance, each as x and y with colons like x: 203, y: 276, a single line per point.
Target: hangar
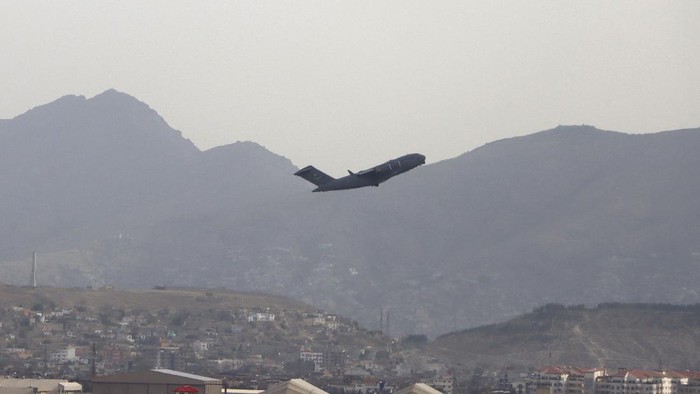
x: 155, y: 381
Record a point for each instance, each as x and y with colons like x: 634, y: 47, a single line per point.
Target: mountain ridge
x: 572, y: 214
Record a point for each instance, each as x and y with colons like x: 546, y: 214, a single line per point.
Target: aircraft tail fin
x: 314, y: 175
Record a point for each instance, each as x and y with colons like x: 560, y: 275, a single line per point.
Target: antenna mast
x: 33, y: 279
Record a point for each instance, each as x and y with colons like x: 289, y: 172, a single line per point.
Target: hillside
x: 611, y: 335
x: 108, y: 194
x: 206, y: 331
x: 151, y: 300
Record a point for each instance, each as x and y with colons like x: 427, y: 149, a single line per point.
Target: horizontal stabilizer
x: 314, y: 175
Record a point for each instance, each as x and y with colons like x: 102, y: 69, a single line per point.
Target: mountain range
x: 106, y: 192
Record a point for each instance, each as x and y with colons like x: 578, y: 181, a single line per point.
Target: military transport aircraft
x: 371, y: 177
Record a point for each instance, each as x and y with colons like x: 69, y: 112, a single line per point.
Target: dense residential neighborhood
x: 257, y: 341
x: 252, y: 346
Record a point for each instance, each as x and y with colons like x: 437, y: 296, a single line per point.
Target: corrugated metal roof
x: 158, y: 376
x: 186, y: 375
x: 295, y: 386
x: 418, y: 388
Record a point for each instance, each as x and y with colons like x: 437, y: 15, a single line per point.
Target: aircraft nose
x: 421, y: 159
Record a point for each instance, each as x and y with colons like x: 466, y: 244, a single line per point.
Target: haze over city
x: 346, y: 85
x: 535, y: 231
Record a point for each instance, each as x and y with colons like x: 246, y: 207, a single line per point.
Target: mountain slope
x: 77, y: 164
x: 610, y: 335
x: 571, y: 215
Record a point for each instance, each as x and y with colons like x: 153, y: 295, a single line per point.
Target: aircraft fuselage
x: 370, y: 177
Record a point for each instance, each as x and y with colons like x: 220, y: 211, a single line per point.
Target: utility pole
x: 381, y: 320
x: 388, y: 326
x: 33, y: 278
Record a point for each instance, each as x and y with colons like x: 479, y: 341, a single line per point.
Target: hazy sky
x: 345, y: 85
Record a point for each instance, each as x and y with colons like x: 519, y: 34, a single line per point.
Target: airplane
x: 370, y: 177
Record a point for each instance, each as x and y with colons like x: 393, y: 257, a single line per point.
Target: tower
x: 381, y: 320
x: 388, y: 321
x: 33, y: 278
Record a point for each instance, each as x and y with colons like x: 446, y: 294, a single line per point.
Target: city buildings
x: 573, y: 380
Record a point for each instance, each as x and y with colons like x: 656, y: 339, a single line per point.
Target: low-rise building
x: 316, y: 357
x: 255, y: 317
x: 39, y: 386
x: 571, y: 380
x: 444, y: 383
x: 154, y: 381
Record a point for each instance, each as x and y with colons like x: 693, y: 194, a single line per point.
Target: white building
x: 444, y: 383
x: 316, y: 357
x: 62, y: 356
x: 261, y: 317
x: 200, y: 346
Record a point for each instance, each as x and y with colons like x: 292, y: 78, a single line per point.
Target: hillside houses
x: 258, y: 342
x: 41, y: 342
